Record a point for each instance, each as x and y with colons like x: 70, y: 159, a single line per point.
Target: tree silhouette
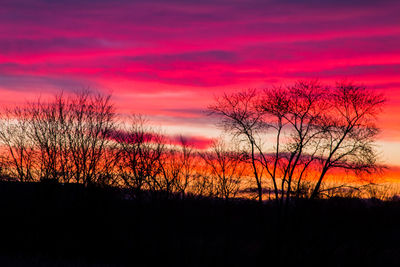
x: 61, y: 139
x: 140, y: 151
x: 349, y: 131
x: 295, y: 130
x: 19, y: 152
x: 283, y: 136
x: 226, y: 168
x: 240, y: 116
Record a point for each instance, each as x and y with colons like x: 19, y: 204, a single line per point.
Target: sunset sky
x: 168, y: 59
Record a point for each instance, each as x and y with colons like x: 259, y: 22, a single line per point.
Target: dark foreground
x: 67, y: 225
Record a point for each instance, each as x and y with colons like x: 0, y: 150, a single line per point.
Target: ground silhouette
x: 51, y: 224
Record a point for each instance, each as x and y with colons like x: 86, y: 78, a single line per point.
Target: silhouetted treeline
x: 280, y: 139
x: 79, y: 138
x: 83, y: 187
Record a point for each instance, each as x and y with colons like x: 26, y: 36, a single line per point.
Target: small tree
x: 91, y: 123
x: 241, y: 117
x: 177, y: 167
x: 48, y: 133
x: 226, y: 168
x: 61, y: 139
x: 140, y: 151
x: 19, y: 152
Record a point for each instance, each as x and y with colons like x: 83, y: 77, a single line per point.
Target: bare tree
x: 170, y: 171
x: 189, y: 166
x: 107, y: 173
x: 48, y: 133
x: 350, y: 131
x: 309, y: 128
x: 91, y: 123
x: 226, y: 168
x: 241, y: 117
x: 71, y: 135
x: 19, y: 153
x: 203, y: 184
x: 140, y: 151
x: 294, y: 114
x: 177, y: 167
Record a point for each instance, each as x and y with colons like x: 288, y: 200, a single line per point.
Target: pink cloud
x: 168, y: 58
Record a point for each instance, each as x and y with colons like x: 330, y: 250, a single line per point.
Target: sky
x: 169, y: 59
